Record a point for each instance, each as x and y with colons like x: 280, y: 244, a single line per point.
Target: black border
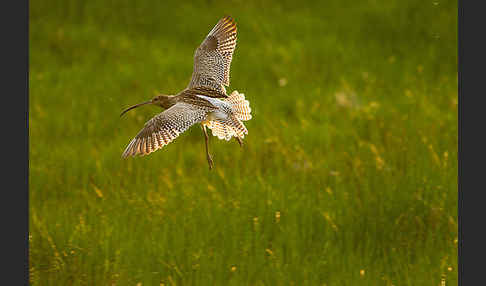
x: 15, y: 142
x: 471, y: 155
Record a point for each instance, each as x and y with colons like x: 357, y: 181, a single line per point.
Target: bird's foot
x: 210, y: 161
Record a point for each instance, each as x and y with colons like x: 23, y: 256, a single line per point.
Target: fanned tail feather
x: 233, y: 125
x: 228, y: 128
x: 241, y: 106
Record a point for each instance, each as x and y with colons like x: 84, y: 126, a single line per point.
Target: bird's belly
x: 215, y: 115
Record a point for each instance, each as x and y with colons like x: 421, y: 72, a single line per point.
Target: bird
x: 203, y: 101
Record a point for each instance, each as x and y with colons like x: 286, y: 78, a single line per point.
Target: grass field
x: 348, y: 175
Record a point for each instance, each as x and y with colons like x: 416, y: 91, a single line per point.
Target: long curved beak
x: 135, y: 106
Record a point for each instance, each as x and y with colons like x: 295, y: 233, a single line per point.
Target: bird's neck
x: 167, y: 101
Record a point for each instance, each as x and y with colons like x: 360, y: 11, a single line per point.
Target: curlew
x: 203, y: 101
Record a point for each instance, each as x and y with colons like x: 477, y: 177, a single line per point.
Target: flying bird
x: 203, y: 101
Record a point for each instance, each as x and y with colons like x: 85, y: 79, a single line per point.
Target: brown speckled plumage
x: 204, y: 101
x: 165, y: 127
x: 212, y: 58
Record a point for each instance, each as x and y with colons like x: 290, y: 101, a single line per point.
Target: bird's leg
x: 239, y: 141
x: 208, y: 156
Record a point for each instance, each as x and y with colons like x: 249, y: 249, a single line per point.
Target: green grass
x: 349, y: 167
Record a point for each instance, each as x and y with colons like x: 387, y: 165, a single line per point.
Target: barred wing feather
x: 212, y: 58
x: 165, y: 127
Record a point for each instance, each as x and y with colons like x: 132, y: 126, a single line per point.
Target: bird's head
x: 161, y: 100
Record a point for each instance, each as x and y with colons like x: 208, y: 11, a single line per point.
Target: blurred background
x: 348, y: 175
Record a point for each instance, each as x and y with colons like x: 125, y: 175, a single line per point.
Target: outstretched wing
x: 165, y: 127
x: 212, y: 58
